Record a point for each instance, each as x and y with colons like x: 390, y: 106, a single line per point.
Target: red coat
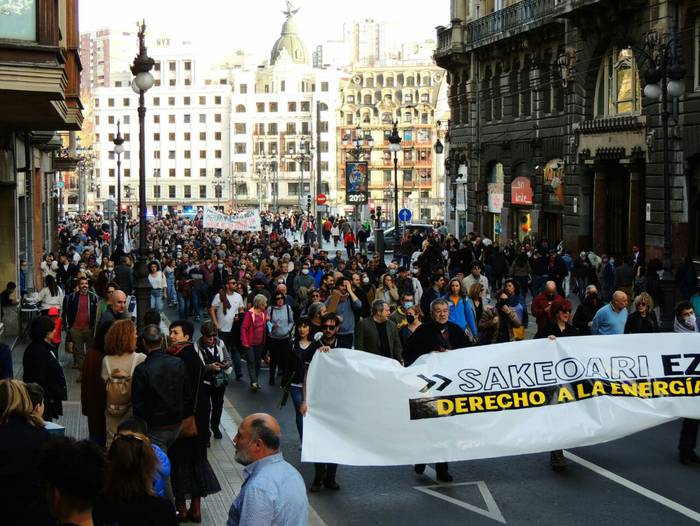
x: 254, y: 328
x: 540, y: 306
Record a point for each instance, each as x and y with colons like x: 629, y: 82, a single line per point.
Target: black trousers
x: 279, y: 354
x: 324, y: 472
x: 216, y: 395
x: 689, y: 435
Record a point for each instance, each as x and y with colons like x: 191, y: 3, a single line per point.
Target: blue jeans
x: 199, y: 299
x: 172, y: 293
x: 183, y: 306
x: 253, y: 355
x: 157, y: 299
x: 296, y: 393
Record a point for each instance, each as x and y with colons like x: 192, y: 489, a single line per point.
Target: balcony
x: 504, y: 23
x: 40, y: 67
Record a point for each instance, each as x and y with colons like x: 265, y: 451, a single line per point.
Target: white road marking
x: 492, y: 511
x: 694, y: 515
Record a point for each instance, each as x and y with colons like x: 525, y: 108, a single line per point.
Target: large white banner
x: 498, y: 400
x: 248, y: 221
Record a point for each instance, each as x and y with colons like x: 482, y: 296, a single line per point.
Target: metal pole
x: 396, y: 194
x: 319, y: 182
x: 120, y: 226
x: 666, y: 173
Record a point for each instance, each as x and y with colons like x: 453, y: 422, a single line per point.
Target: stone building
x: 40, y: 83
x: 552, y: 129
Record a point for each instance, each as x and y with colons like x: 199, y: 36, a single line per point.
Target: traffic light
x: 308, y: 202
x: 379, y: 212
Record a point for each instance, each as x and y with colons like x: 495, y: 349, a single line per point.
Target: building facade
x: 372, y: 99
x: 551, y: 134
x: 40, y: 82
x: 223, y: 132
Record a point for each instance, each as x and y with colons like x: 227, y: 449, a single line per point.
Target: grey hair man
x: 378, y: 334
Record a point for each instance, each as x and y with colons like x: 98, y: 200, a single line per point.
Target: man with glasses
x: 436, y: 335
x: 686, y: 322
x: 611, y: 319
x: 224, y: 312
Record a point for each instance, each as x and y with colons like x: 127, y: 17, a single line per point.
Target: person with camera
x: 217, y: 363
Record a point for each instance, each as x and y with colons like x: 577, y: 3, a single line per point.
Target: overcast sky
x: 255, y: 25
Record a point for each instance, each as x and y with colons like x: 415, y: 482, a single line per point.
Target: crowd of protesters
x: 154, y: 400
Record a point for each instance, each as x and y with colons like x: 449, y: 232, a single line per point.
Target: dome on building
x: 289, y: 44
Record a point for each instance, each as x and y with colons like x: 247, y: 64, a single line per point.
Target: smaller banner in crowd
x: 497, y: 400
x: 245, y: 221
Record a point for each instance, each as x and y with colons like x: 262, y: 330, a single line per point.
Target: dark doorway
x: 617, y: 209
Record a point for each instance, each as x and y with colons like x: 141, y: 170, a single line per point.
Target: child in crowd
x: 136, y: 426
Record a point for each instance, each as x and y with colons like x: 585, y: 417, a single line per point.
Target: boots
x: 181, y: 508
x: 557, y: 460
x: 195, y: 514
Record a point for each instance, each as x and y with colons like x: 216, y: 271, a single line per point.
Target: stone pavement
x: 221, y: 454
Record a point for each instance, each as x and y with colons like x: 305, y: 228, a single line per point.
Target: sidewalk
x: 221, y: 454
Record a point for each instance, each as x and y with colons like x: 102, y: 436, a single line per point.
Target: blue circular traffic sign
x: 405, y: 214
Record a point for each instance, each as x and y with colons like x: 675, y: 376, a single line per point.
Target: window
x: 217, y: 154
x: 110, y: 102
x: 283, y: 85
x: 186, y: 118
x: 187, y: 136
x: 202, y: 136
x: 186, y: 101
x: 273, y: 107
x: 202, y: 154
x: 305, y: 106
x: 272, y: 128
x: 293, y: 189
x: 202, y: 118
x: 188, y: 154
x: 291, y: 106
x: 324, y: 86
x: 260, y: 107
x: 156, y: 101
x: 291, y: 167
x: 125, y: 101
x: 243, y: 89
x: 171, y: 172
x: 324, y: 126
x: 387, y: 176
x: 618, y: 91
x: 171, y: 154
x: 525, y: 93
x: 239, y: 128
x: 111, y: 172
x: 111, y: 190
x: 241, y: 189
x: 156, y: 192
x: 486, y: 104
x: 202, y: 100
x: 217, y: 117
x: 217, y: 99
x: 202, y: 191
x: 127, y: 119
x: 188, y: 172
x: 291, y: 128
x: 305, y: 128
x: 156, y: 136
x: 696, y: 54
x: 217, y: 136
x: 171, y: 119
x: 202, y: 172
x: 324, y: 168
x: 240, y: 167
x: 171, y: 66
x: 218, y: 191
x: 171, y: 101
x: 187, y: 191
x: 171, y: 191
x: 156, y: 154
x: 240, y: 108
x: 239, y: 147
x: 496, y: 95
x: 171, y: 136
x: 188, y: 65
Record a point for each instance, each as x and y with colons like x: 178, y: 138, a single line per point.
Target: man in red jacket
x: 542, y: 303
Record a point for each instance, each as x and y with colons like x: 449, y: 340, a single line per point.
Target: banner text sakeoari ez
x: 547, y: 385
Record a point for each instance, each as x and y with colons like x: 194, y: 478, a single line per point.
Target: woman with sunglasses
x: 559, y: 326
x: 279, y: 342
x: 643, y: 319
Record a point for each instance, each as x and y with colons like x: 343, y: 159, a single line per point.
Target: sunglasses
x: 329, y: 327
x: 642, y: 304
x: 279, y: 298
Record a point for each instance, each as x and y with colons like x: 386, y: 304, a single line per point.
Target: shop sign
x: 356, y: 183
x: 554, y: 182
x: 521, y: 191
x: 494, y: 189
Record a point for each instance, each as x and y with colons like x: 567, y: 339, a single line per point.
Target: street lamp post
x: 362, y: 145
x: 395, y: 147
x: 218, y: 187
x: 118, y: 150
x: 156, y: 176
x: 143, y: 81
x: 664, y: 83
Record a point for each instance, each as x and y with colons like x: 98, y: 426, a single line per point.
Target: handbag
x: 188, y: 428
x: 518, y: 333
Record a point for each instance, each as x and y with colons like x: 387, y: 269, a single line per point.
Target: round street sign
x: 61, y: 184
x: 405, y: 214
x: 321, y: 199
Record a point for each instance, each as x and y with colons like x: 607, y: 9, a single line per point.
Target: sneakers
x: 688, y: 457
x: 255, y: 387
x: 217, y: 434
x: 557, y: 460
x: 444, y: 476
x: 419, y: 469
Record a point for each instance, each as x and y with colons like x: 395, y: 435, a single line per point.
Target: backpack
x: 118, y: 387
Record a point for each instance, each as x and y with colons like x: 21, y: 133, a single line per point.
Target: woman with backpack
x: 118, y: 367
x: 279, y: 341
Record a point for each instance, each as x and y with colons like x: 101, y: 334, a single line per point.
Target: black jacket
x: 428, y: 338
x: 106, y: 320
x: 124, y: 276
x: 637, y: 324
x: 145, y: 510
x: 71, y: 303
x: 65, y: 277
x: 552, y: 329
x: 584, y: 315
x: 41, y: 366
x: 159, y: 390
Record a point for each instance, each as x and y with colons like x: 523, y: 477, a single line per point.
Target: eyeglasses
x: 329, y: 327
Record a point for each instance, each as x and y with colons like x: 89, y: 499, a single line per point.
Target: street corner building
x: 40, y: 114
x: 558, y: 128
